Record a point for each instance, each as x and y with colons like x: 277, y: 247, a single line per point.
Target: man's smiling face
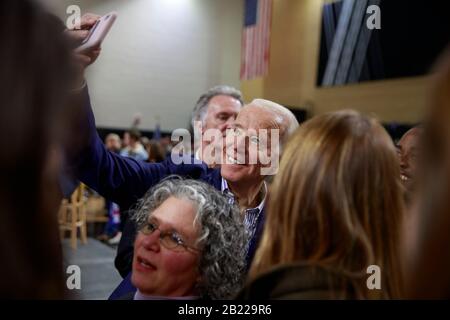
x: 408, y: 152
x: 250, y: 143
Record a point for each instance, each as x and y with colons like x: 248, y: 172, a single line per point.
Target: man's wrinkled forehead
x: 256, y: 117
x: 224, y: 102
x: 410, y: 138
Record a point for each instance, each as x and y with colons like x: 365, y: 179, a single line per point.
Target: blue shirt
x: 251, y: 215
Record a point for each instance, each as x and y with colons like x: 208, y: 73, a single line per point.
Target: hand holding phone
x: 97, y: 33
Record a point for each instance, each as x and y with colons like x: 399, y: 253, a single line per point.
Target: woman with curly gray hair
x: 191, y: 243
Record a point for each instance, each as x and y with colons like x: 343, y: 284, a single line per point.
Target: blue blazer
x: 124, y: 180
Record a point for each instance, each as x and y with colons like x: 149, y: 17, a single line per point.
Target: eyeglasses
x: 169, y: 239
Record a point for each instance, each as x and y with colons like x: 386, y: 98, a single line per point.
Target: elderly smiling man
x: 125, y: 180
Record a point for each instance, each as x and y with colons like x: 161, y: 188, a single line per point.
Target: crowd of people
x: 344, y: 197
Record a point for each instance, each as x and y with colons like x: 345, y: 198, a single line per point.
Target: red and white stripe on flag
x: 256, y: 40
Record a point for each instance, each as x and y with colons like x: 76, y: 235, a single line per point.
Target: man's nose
x: 403, y: 161
x: 242, y: 142
x: 230, y: 121
x: 227, y: 125
x: 151, y: 241
x: 242, y: 149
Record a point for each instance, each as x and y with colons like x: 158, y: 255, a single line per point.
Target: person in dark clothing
x: 36, y: 79
x: 428, y: 257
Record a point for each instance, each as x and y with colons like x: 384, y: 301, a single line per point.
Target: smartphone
x: 98, y: 32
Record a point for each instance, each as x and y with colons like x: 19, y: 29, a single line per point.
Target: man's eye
x: 254, y: 140
x: 237, y: 132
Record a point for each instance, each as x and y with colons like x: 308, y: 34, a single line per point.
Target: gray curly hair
x: 199, y: 112
x: 223, y: 238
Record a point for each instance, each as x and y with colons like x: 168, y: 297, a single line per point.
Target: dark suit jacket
x: 125, y: 180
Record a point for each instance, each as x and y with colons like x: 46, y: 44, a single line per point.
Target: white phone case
x: 98, y: 32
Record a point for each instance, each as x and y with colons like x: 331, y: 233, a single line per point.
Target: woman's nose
x: 151, y: 241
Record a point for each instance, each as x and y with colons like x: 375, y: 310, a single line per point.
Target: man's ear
x: 198, y: 130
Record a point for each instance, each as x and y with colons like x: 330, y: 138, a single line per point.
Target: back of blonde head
x: 336, y: 203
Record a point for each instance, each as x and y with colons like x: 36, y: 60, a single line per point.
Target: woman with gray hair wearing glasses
x: 191, y: 243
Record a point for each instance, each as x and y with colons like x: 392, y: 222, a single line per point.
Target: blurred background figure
x: 113, y: 142
x: 155, y: 150
x: 408, y: 148
x: 429, y: 257
x: 335, y: 208
x: 125, y: 140
x: 135, y: 149
x: 167, y: 145
x: 144, y: 141
x: 35, y: 81
x: 112, y: 233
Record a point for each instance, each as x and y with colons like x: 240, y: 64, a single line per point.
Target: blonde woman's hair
x: 336, y: 203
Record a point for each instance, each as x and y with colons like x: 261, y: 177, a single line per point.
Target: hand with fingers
x: 76, y: 36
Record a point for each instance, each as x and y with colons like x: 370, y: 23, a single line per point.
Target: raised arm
x: 120, y: 179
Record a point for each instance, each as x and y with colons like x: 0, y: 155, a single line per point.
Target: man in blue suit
x: 124, y: 180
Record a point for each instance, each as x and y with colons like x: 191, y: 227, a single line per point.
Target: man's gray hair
x: 284, y: 116
x: 223, y: 239
x: 199, y: 112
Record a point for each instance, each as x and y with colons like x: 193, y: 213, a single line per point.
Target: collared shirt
x: 252, y: 214
x: 197, y: 154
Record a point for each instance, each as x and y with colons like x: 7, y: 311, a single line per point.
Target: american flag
x: 256, y: 39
